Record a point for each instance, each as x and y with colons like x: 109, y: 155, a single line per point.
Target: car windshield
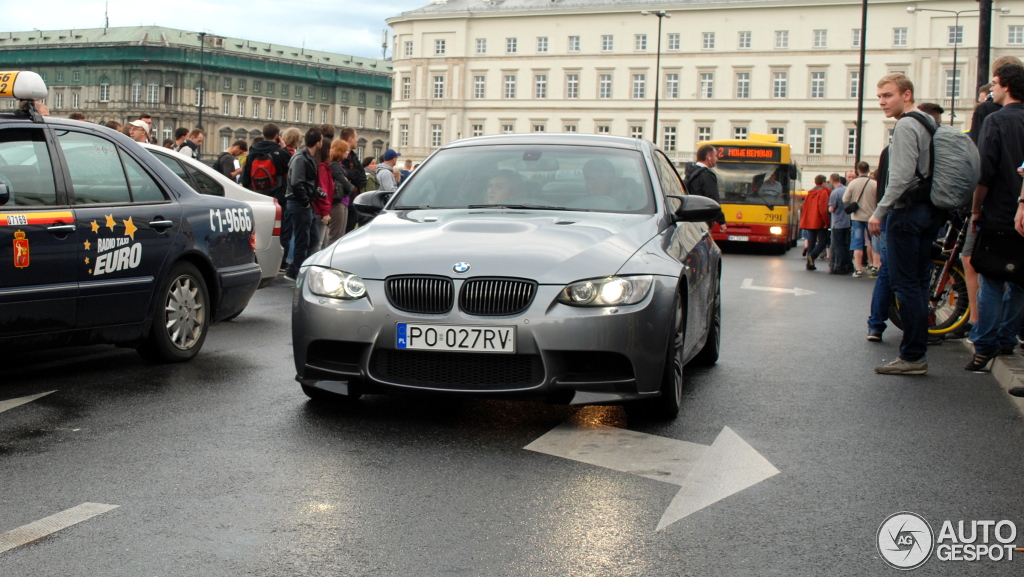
x: 752, y: 183
x: 551, y: 177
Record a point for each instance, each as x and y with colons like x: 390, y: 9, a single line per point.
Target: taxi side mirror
x: 5, y: 193
x: 693, y: 208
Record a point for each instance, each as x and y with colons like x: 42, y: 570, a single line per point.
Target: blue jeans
x: 818, y: 240
x: 881, y: 298
x: 858, y: 233
x: 911, y: 232
x: 1000, y: 310
x: 300, y: 221
x: 841, y: 262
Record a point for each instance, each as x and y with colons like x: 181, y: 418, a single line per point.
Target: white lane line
x: 11, y: 403
x: 748, y: 283
x: 38, y: 529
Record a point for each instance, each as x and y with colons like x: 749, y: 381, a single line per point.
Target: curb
x: 1009, y: 373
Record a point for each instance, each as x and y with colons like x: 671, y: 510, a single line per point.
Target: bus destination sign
x: 755, y: 153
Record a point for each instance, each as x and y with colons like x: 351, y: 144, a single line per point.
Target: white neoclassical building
x: 728, y: 68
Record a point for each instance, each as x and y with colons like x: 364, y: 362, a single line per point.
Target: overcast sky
x: 344, y: 26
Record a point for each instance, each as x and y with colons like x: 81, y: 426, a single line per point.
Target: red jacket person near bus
x: 814, y: 218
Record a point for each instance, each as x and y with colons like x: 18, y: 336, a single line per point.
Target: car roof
x: 566, y: 138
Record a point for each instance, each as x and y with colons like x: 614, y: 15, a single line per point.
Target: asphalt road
x: 221, y: 466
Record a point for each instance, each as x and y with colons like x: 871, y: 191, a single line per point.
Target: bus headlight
x: 775, y: 230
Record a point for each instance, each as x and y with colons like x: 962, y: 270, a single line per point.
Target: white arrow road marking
x: 748, y: 283
x: 38, y: 529
x: 704, y: 474
x: 11, y: 403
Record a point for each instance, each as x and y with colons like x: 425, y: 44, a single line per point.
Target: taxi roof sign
x: 23, y: 85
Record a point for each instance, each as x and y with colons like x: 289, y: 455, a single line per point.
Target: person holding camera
x: 303, y: 190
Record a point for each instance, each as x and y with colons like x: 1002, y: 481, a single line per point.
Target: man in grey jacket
x: 913, y: 223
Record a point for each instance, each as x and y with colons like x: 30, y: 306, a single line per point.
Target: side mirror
x: 369, y: 204
x: 792, y: 171
x: 693, y: 208
x: 5, y: 193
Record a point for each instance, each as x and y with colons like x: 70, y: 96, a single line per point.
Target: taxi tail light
x: 277, y: 218
x: 252, y: 239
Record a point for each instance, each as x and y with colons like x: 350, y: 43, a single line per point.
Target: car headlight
x: 328, y: 282
x: 608, y: 291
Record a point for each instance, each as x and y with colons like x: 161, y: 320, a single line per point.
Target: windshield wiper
x: 424, y: 207
x: 527, y: 207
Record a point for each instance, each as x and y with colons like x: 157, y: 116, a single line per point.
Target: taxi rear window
x: 25, y: 167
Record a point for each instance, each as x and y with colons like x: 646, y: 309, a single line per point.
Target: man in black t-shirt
x: 227, y: 162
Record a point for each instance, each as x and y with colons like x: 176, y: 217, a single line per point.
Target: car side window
x: 25, y: 167
x: 207, y: 185
x: 95, y: 168
x: 669, y: 178
x: 144, y: 188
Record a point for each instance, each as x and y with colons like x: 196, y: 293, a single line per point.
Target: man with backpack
x: 303, y: 190
x: 266, y: 168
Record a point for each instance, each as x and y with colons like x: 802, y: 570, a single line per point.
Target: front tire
x: 666, y: 406
x: 712, y: 346
x: 181, y: 317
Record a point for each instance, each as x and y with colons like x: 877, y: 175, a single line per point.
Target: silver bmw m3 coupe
x: 571, y: 268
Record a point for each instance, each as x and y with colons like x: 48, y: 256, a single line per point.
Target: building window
x: 200, y: 94
x: 673, y: 41
x: 814, y: 140
x: 542, y: 44
x: 636, y: 132
x: 855, y: 84
x: 376, y: 151
x: 284, y: 90
x: 136, y: 92
x: 439, y: 87
x: 241, y: 108
x: 478, y: 130
x: 639, y: 86
x: 821, y: 38
x: 1015, y: 36
x: 360, y: 119
x: 270, y: 88
x: 672, y: 85
x: 668, y: 142
x: 569, y: 128
x: 74, y: 100
x: 298, y: 112
x: 76, y: 76
x: 851, y: 141
x: 508, y: 129
x: 607, y: 43
x: 817, y: 85
x: 856, y: 38
x: 707, y: 40
x: 779, y: 132
x: 406, y: 87
x: 227, y: 106
x: 255, y: 109
x: 438, y: 47
x: 256, y: 85
x: 540, y: 86
x: 435, y: 135
x: 60, y: 76
x: 744, y: 41
x: 707, y: 85
x: 309, y: 116
x: 604, y: 129
x: 323, y: 94
x: 241, y: 84
x: 780, y: 84
x: 640, y: 42
x: 574, y: 43
x: 739, y: 132
x: 604, y: 90
x: 481, y: 46
x: 572, y: 85
x: 539, y: 128
x: 742, y: 85
x: 58, y: 100
x: 511, y: 45
x: 956, y: 35
x: 479, y: 85
x: 104, y: 90
x: 403, y: 131
x: 270, y: 111
x: 899, y: 36
x: 703, y: 133
x: 952, y: 84
x: 510, y: 86
x: 408, y: 48
x: 168, y: 93
x: 152, y: 93
x: 284, y: 112
x: 225, y: 142
x: 781, y: 39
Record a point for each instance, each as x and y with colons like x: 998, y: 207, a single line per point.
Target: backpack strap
x: 928, y: 126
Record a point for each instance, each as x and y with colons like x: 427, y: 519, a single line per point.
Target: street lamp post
x: 860, y: 80
x: 202, y: 84
x: 657, y: 70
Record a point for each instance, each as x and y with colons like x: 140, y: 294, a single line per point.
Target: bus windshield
x: 753, y: 183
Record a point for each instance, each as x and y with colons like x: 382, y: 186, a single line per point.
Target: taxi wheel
x: 666, y: 406
x: 181, y: 317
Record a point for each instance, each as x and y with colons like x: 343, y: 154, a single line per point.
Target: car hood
x: 546, y: 246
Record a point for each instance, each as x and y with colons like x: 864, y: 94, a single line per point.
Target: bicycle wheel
x: 950, y: 311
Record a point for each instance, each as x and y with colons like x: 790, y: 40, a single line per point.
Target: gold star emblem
x: 129, y: 228
x: 86, y: 260
x: 90, y: 271
x: 110, y: 222
x: 95, y: 226
x: 87, y: 243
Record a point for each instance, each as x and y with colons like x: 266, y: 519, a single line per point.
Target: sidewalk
x: 1008, y: 371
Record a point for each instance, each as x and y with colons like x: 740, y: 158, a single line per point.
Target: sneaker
x: 810, y: 263
x: 873, y: 273
x: 902, y: 367
x: 1016, y: 391
x: 935, y: 339
x: 981, y: 363
x: 858, y: 273
x: 875, y: 336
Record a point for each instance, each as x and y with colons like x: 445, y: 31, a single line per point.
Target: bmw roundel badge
x: 461, y: 267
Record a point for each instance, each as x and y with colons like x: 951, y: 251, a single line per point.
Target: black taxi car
x: 102, y: 243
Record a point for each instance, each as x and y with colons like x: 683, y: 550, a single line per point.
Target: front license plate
x: 456, y: 338
x: 740, y: 238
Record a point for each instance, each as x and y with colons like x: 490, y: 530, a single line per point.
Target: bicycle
x: 948, y: 301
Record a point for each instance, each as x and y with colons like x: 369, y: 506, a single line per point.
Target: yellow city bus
x: 760, y: 191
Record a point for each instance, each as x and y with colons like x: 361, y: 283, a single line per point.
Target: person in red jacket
x: 322, y: 206
x: 814, y: 218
